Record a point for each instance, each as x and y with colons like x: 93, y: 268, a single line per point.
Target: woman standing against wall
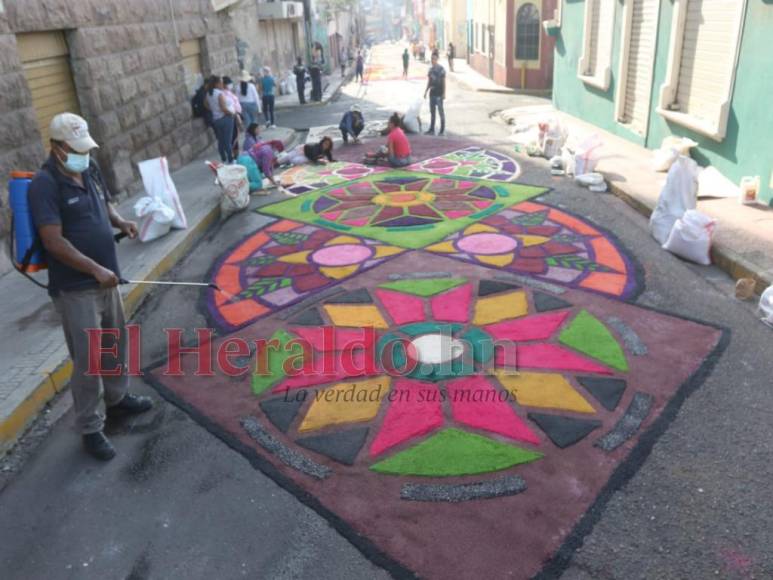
x: 249, y: 99
x: 223, y: 118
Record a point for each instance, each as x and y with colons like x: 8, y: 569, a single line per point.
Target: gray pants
x: 80, y: 310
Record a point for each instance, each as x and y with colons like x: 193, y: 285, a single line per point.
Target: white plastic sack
x: 158, y: 183
x: 677, y: 196
x: 411, y: 118
x: 586, y: 155
x: 155, y: 218
x: 236, y: 189
x: 690, y: 237
x: 681, y: 144
x: 766, y: 306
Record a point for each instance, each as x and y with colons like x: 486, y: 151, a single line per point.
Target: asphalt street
x: 178, y: 503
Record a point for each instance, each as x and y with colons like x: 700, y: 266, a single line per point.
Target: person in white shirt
x: 236, y: 107
x: 249, y: 99
x: 222, y: 117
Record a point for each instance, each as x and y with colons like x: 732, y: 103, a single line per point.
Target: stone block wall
x: 128, y: 73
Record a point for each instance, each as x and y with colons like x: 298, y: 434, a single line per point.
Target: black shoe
x: 98, y: 446
x: 131, y: 405
x: 441, y: 133
x: 430, y: 132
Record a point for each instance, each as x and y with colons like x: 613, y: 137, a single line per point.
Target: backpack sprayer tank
x: 27, y: 251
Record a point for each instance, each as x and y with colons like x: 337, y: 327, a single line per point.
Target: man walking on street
x: 71, y: 209
x: 451, y: 56
x: 436, y: 87
x: 300, y: 80
x: 406, y: 60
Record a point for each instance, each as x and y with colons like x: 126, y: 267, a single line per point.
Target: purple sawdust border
x: 557, y: 564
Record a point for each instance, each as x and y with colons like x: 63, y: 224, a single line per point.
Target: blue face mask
x: 76, y: 162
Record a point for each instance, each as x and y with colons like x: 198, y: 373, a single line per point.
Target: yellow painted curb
x: 56, y: 381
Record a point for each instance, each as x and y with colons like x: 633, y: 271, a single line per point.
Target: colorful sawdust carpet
x: 399, y: 393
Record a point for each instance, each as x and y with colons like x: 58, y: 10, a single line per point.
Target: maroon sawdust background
x: 422, y: 146
x: 510, y: 536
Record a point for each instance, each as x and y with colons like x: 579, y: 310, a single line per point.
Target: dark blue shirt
x: 55, y: 199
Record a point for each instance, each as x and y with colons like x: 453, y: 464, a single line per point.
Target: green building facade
x: 648, y: 69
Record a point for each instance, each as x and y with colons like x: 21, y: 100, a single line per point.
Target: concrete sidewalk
x: 330, y: 86
x: 33, y: 356
x: 742, y: 244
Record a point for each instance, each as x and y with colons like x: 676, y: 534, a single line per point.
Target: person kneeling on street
x: 352, y: 123
x: 397, y: 151
x: 321, y: 152
x: 72, y: 213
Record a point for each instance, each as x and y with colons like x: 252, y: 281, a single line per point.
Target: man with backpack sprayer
x: 72, y: 213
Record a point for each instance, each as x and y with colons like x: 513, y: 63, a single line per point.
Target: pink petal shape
x: 475, y: 402
x: 457, y: 213
x: 453, y: 306
x: 549, y: 357
x: 402, y: 308
x: 331, y: 367
x: 414, y: 411
x: 332, y: 215
x: 481, y: 204
x: 329, y: 338
x: 537, y: 327
x: 357, y: 223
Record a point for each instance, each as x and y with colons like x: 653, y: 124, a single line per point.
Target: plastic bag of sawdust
x: 155, y: 218
x: 158, y: 184
x: 676, y: 197
x: 670, y: 150
x: 766, y: 306
x: 690, y: 238
x: 411, y: 119
x: 236, y: 189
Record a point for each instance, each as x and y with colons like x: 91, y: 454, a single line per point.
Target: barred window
x: 527, y: 33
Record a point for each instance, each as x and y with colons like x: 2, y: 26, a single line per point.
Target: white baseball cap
x: 73, y: 130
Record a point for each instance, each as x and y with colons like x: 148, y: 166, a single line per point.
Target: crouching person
x: 71, y: 210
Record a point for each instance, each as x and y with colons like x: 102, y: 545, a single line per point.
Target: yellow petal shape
x: 384, y: 251
x: 501, y: 307
x: 295, y: 258
x: 346, y: 403
x: 480, y: 229
x: 443, y: 248
x: 337, y: 241
x: 339, y: 272
x: 355, y: 315
x: 532, y: 240
x: 500, y: 260
x: 543, y: 390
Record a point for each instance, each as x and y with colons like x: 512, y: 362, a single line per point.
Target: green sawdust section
x: 588, y: 335
x: 424, y: 288
x: 411, y: 237
x: 276, y: 354
x: 453, y: 452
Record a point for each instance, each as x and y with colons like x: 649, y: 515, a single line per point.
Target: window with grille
x: 527, y: 32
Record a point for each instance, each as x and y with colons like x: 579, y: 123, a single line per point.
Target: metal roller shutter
x: 705, y: 69
x: 191, y: 53
x: 641, y: 55
x: 46, y: 63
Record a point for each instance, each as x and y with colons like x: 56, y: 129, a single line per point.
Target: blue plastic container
x: 23, y: 228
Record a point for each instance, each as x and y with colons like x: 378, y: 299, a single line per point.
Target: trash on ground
x: 711, y: 183
x: 236, y: 189
x: 155, y: 218
x: 750, y: 189
x: 766, y: 306
x: 158, y: 184
x: 744, y: 288
x: 599, y: 188
x: 690, y: 238
x: 588, y: 179
x: 677, y: 196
